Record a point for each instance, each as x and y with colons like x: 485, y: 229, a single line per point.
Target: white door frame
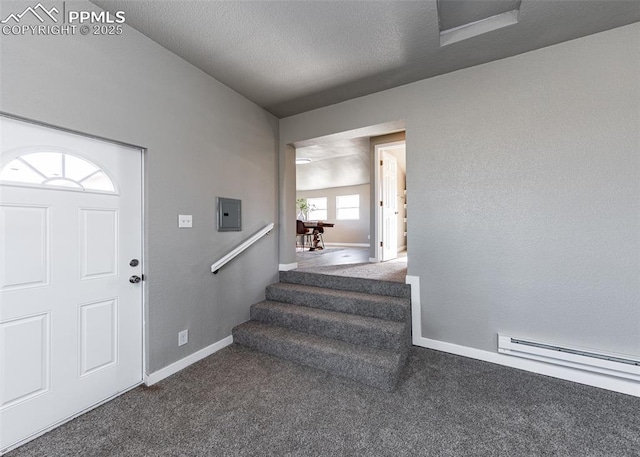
x: 144, y: 256
x: 377, y: 209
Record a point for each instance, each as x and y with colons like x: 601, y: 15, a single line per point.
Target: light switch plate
x: 185, y: 221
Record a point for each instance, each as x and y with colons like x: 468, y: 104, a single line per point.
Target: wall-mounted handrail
x: 237, y: 251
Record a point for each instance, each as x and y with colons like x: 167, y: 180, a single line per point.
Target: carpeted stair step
x: 363, y: 304
x: 350, y: 328
x: 374, y: 367
x: 365, y: 285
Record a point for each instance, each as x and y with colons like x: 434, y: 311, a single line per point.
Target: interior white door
x: 70, y: 319
x: 389, y: 200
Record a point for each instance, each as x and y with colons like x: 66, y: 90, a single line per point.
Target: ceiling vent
x: 463, y: 19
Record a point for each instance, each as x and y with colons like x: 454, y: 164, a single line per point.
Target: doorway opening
x: 339, y: 183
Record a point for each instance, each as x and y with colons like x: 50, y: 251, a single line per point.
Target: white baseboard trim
x: 156, y: 376
x: 402, y: 248
x: 373, y: 260
x: 416, y: 310
x: 350, y: 245
x: 556, y: 371
x: 568, y: 374
x: 287, y: 266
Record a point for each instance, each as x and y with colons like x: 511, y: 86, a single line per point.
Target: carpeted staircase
x: 353, y: 327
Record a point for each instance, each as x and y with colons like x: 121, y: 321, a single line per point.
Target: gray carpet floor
x: 238, y: 402
x: 385, y: 271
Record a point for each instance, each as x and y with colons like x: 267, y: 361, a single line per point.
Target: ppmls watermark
x: 40, y: 20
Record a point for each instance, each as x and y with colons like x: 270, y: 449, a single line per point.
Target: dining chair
x: 320, y: 231
x: 303, y: 233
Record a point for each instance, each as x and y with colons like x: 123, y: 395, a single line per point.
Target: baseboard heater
x: 617, y: 365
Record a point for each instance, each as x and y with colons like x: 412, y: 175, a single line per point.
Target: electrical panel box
x: 229, y: 215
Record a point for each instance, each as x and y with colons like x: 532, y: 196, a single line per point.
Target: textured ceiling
x: 339, y: 163
x: 294, y: 56
x: 334, y: 164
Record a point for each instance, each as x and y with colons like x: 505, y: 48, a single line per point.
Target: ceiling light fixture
x: 302, y: 161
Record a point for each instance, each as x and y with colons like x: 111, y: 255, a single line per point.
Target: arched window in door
x: 57, y: 169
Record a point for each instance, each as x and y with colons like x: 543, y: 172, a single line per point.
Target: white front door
x: 389, y: 189
x: 70, y: 240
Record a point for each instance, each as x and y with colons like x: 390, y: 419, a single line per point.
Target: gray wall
x: 523, y: 177
x: 203, y: 140
x: 345, y: 231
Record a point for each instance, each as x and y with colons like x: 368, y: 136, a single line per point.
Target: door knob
x: 135, y: 279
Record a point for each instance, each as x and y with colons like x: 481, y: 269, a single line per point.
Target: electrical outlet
x: 183, y: 337
x: 185, y: 221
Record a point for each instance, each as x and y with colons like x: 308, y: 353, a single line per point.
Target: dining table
x: 317, y: 227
